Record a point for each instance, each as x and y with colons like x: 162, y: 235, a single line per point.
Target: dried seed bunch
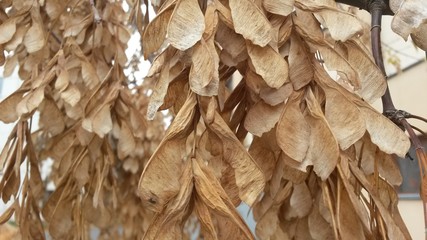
x: 319, y: 164
x: 71, y: 58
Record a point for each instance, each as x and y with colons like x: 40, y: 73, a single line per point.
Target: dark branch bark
x: 364, y: 4
x: 376, y: 8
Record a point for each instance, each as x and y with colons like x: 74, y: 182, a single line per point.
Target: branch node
x: 396, y: 115
x: 378, y: 5
x: 378, y: 26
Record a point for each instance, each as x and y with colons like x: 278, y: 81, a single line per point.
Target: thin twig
x: 57, y: 39
x: 417, y: 117
x: 418, y: 129
x: 327, y: 195
x: 423, y: 168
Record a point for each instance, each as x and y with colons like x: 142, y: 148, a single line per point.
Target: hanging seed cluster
x: 305, y: 150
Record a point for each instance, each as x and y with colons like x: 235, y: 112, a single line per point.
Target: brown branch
x: 417, y: 117
x: 54, y: 36
x: 376, y: 8
x: 418, y: 130
x: 364, y: 4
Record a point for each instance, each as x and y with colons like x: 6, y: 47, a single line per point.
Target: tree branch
x: 376, y: 8
x: 364, y: 4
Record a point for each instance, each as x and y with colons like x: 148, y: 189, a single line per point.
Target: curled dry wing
x: 419, y: 36
x: 211, y: 194
x: 155, y: 32
x: 384, y: 133
x: 300, y: 70
x: 269, y: 64
x: 323, y: 150
x: 249, y: 177
x: 280, y: 7
x: 186, y: 24
x: 262, y: 117
x: 250, y: 22
x: 169, y: 222
x: 293, y: 131
x: 203, y: 77
x: 347, y: 128
x: 410, y: 15
x: 159, y: 182
x: 334, y: 19
x: 34, y: 39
